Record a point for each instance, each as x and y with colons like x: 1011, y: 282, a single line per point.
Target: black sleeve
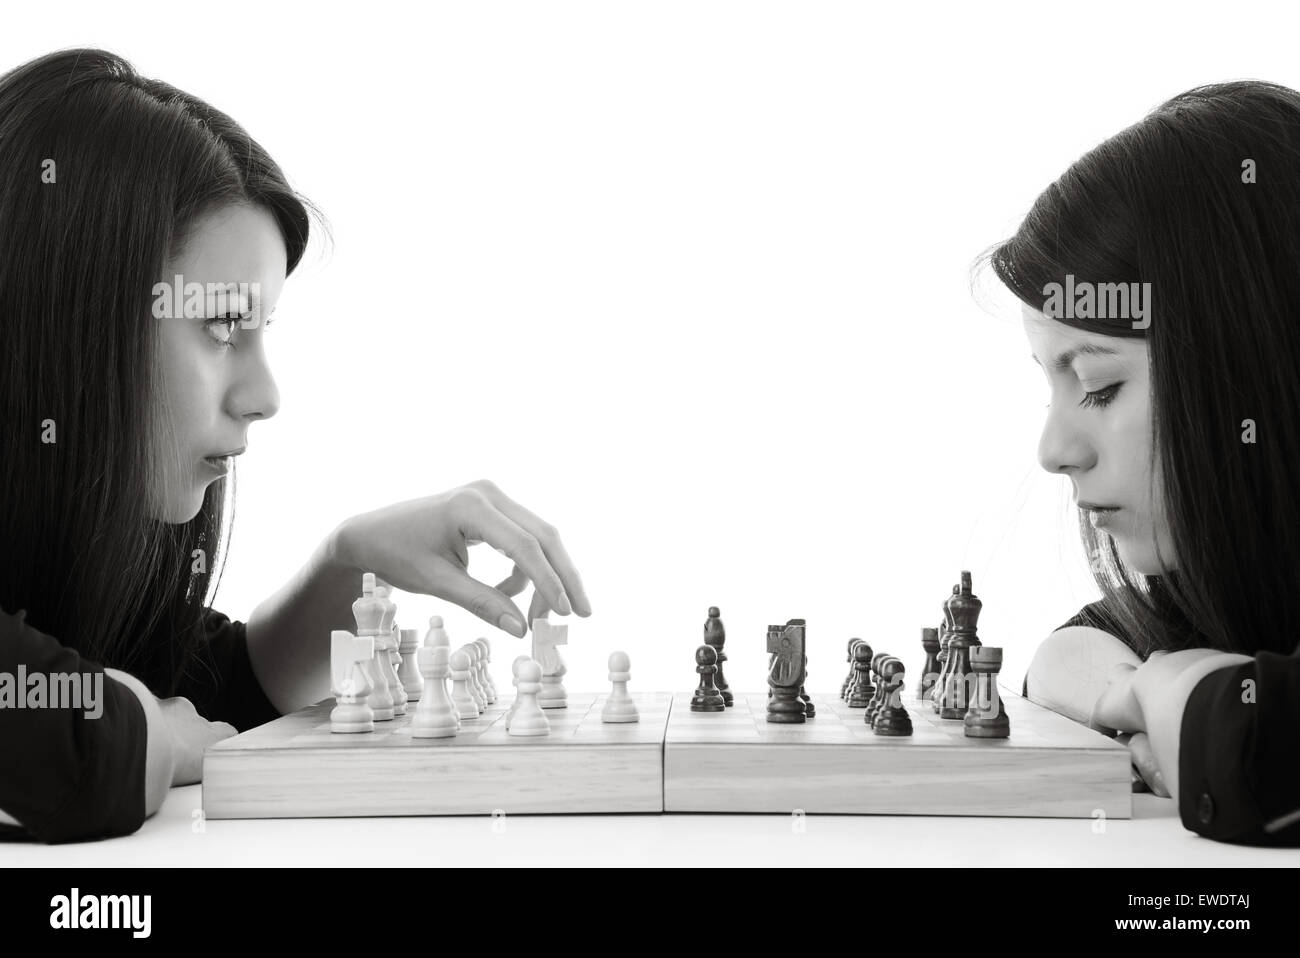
x: 72, y: 750
x: 1239, y: 753
x: 220, y: 682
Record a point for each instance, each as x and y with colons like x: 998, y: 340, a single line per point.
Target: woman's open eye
x: 222, y: 329
x: 1101, y: 397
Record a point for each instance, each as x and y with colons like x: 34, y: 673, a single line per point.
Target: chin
x: 181, y: 510
x: 1143, y: 559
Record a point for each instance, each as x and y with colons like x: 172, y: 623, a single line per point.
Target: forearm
x: 288, y: 633
x: 1163, y: 700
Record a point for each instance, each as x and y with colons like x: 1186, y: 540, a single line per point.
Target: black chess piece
x: 707, y: 698
x: 861, y: 691
x: 929, y: 671
x: 848, y: 679
x: 987, y: 715
x: 786, y: 673
x: 809, y: 710
x: 958, y: 691
x: 945, y: 636
x: 892, y: 717
x: 873, y: 707
x: 715, y: 634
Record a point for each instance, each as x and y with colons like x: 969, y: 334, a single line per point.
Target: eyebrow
x: 1064, y: 360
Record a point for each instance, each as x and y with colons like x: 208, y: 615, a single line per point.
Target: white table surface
x: 176, y: 837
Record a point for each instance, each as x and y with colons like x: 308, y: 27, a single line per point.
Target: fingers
x: 485, y: 521
x: 537, y: 609
x: 515, y: 583
x: 491, y: 605
x: 1144, y: 760
x: 548, y: 538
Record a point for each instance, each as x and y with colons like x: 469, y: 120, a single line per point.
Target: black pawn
x: 873, y: 707
x: 861, y: 691
x: 715, y: 634
x: 930, y: 670
x: 707, y: 698
x: 848, y: 680
x: 892, y: 717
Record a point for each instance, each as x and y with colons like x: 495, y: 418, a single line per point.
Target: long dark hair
x: 1169, y: 201
x: 101, y: 173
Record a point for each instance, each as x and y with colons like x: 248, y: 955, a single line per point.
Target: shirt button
x: 1205, y: 808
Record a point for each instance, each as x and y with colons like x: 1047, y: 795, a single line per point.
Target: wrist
x: 160, y: 753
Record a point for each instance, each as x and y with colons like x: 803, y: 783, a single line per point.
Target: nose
x: 1064, y: 446
x: 253, y: 394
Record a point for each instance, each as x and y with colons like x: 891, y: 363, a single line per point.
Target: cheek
x: 1133, y: 443
x: 187, y: 387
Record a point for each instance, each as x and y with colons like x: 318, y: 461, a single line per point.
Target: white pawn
x: 475, y: 690
x: 514, y: 677
x: 409, y: 673
x: 484, y: 678
x: 619, y: 707
x: 529, y: 718
x: 435, y: 716
x: 461, y: 697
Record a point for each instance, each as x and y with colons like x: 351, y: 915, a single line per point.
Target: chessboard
x: 736, y: 761
x: 672, y: 760
x: 295, y: 767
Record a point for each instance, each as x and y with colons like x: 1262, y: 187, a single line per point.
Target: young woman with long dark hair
x: 1160, y: 283
x: 121, y: 424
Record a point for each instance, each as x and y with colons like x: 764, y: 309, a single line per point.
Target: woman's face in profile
x: 1099, y: 434
x: 212, y: 375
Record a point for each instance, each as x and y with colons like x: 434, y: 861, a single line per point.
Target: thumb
x: 491, y: 605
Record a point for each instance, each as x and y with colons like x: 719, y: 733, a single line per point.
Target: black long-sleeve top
x: 66, y: 776
x: 1239, y: 747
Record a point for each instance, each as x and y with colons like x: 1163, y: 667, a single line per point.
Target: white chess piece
x: 475, y: 690
x: 484, y: 678
x: 514, y: 673
x: 437, y: 638
x: 546, y: 638
x: 529, y: 719
x: 436, y: 635
x: 369, y: 611
x: 460, y: 693
x: 409, y: 672
x: 347, y: 653
x: 435, y: 716
x: 619, y: 707
x: 389, y: 633
x: 486, y: 672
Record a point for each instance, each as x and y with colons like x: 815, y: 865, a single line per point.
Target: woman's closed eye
x: 1101, y: 397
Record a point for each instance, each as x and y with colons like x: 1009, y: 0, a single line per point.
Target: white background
x: 690, y: 280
